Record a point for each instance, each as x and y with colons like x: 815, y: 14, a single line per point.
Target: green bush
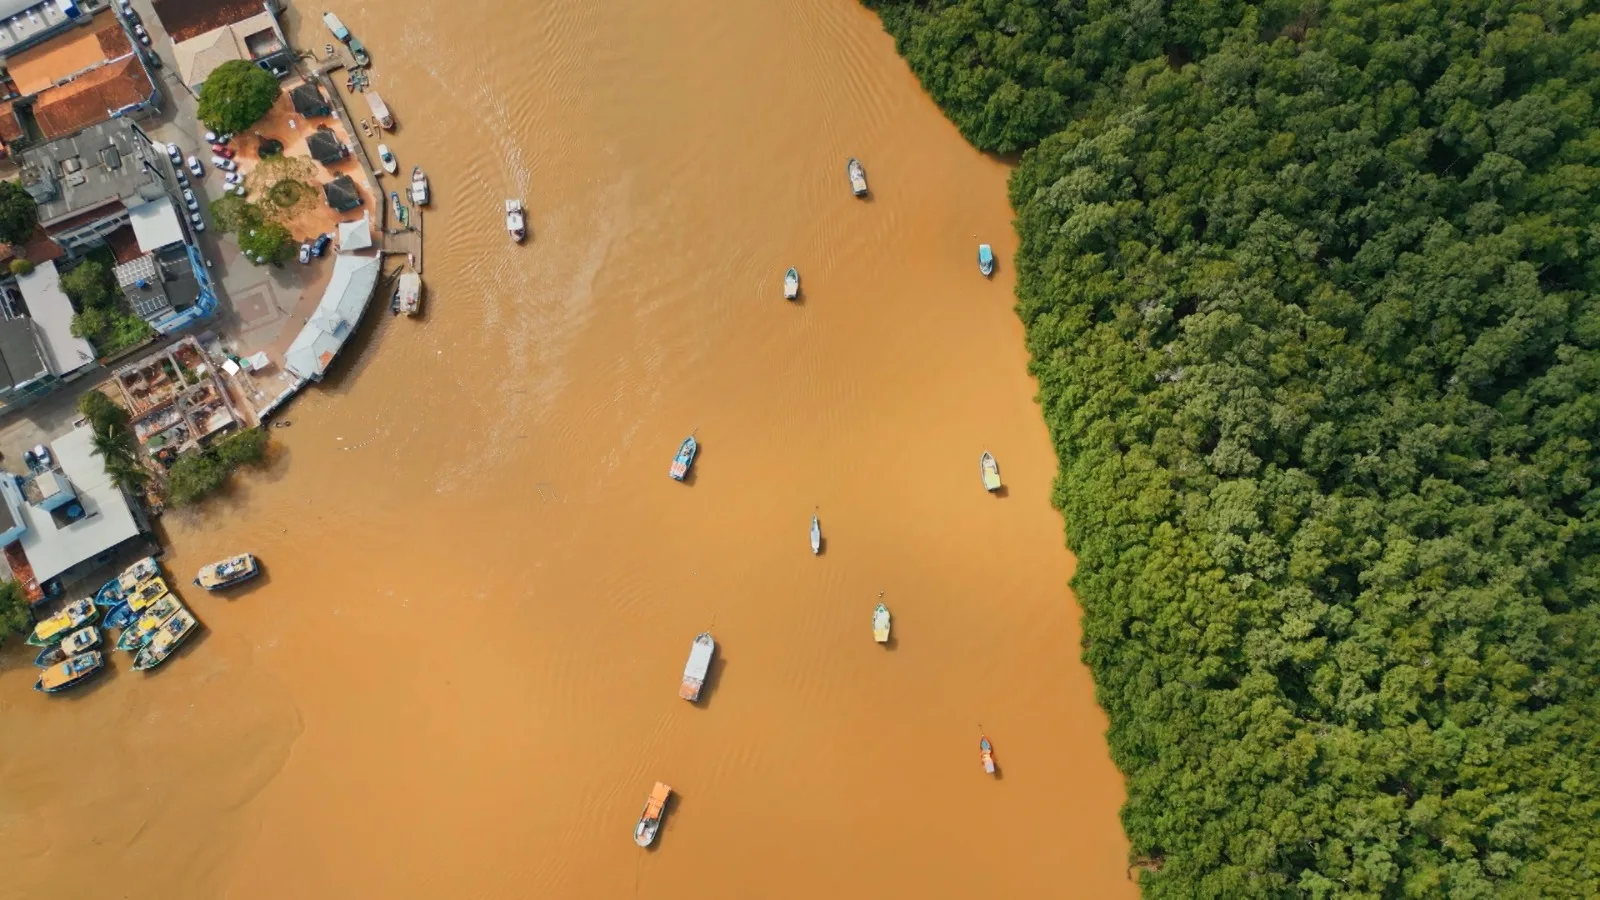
x: 1314, y: 309
x: 267, y: 243
x: 201, y: 472
x: 15, y: 619
x: 21, y: 267
x: 19, y: 215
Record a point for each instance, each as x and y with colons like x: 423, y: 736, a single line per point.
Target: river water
x: 458, y: 677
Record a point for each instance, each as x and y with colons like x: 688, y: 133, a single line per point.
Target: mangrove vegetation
x: 1311, y: 295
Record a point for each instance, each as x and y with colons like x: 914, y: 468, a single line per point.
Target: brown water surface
x: 459, y: 675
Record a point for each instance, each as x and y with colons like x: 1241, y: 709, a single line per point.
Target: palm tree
x: 116, y: 447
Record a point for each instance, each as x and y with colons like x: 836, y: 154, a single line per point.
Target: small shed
x: 342, y: 194
x: 355, y: 235
x: 325, y: 146
x: 308, y: 101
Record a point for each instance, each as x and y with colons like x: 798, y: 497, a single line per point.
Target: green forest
x: 1310, y: 291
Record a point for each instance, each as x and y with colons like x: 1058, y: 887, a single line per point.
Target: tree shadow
x: 719, y: 663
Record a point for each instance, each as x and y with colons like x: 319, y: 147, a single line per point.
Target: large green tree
x: 15, y: 618
x: 267, y: 242
x: 236, y: 95
x: 18, y: 213
x: 1313, y: 302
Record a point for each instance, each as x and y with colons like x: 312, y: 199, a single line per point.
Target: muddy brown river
x: 458, y: 677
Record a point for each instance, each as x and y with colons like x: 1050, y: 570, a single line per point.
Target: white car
x: 142, y: 35
x: 198, y: 223
x: 182, y: 179
x: 195, y: 168
x: 236, y: 188
x: 232, y: 178
x: 225, y: 165
x: 174, y: 154
x: 211, y: 137
x: 189, y: 200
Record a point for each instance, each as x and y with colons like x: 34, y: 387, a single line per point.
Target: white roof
x: 52, y: 312
x: 355, y: 235
x: 349, y: 289
x: 155, y: 224
x: 107, y: 519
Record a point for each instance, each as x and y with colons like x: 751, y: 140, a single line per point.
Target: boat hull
x: 791, y: 285
x: 858, y: 177
x: 54, y: 629
x: 684, y: 461
x: 880, y: 624
x: 816, y: 537
x: 698, y: 667
x: 154, y: 654
x: 120, y: 616
x: 985, y: 260
x: 990, y: 471
x: 58, y: 678
x: 221, y: 575
x: 655, y: 809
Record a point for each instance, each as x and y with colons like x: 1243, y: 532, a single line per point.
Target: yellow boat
x: 138, y: 634
x: 58, y: 626
x: 147, y: 593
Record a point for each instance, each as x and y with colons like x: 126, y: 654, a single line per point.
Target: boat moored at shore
x: 117, y: 589
x: 858, y: 177
x: 139, y: 633
x: 515, y: 225
x: 147, y: 593
x: 227, y: 572
x: 644, y: 834
x: 694, y: 672
x: 75, y: 643
x: 380, y: 111
x: 419, y: 186
x: 69, y: 673
x: 120, y: 616
x: 390, y: 164
x: 407, y: 298
x: 685, y: 458
x: 167, y: 639
x: 336, y: 26
x: 69, y: 619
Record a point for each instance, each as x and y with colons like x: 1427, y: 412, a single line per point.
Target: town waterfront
x: 458, y: 675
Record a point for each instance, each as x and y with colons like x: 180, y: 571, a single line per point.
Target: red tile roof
x: 75, y: 106
x: 124, y: 245
x: 185, y: 19
x: 39, y: 249
x: 10, y: 128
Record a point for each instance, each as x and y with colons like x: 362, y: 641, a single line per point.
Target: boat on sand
x: 880, y: 624
x: 990, y: 470
x: 69, y: 619
x: 791, y: 284
x: 167, y: 639
x: 858, y: 177
x: 694, y: 673
x: 75, y: 643
x: 69, y: 673
x: 644, y: 834
x: 227, y: 572
x: 515, y: 225
x: 685, y: 458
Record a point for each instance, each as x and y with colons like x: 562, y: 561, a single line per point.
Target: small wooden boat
x: 380, y: 111
x: 390, y: 164
x: 173, y: 633
x: 147, y: 593
x: 685, y: 458
x: 515, y: 225
x: 419, y: 186
x: 70, y: 673
x: 694, y: 672
x: 120, y: 616
x: 880, y: 624
x: 986, y: 260
x: 644, y: 834
x: 227, y: 572
x: 72, y: 617
x: 139, y: 633
x: 359, y: 52
x: 110, y: 593
x: 791, y: 284
x: 816, y: 535
x: 986, y: 749
x: 858, y: 177
x: 991, y: 472
x: 138, y: 573
x: 75, y: 643
x: 407, y: 294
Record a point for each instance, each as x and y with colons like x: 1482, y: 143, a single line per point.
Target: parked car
x: 189, y: 200
x: 223, y: 163
x: 235, y: 188
x: 174, y: 154
x: 198, y: 223
x: 305, y: 253
x: 195, y: 168
x: 321, y: 246
x: 182, y: 179
x: 211, y: 137
x: 222, y: 151
x: 232, y: 178
x: 225, y: 137
x: 142, y: 35
x: 151, y: 57
x: 38, y: 457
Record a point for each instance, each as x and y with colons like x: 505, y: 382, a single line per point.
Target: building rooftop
x: 20, y: 359
x: 23, y: 20
x: 324, y: 146
x: 92, y: 97
x: 11, y: 129
x: 155, y: 224
x: 52, y: 313
x: 355, y: 235
x: 104, y: 164
x: 308, y: 101
x: 349, y: 290
x: 342, y: 193
x: 252, y: 39
x: 53, y: 547
x: 38, y: 249
x: 185, y: 19
x: 68, y: 54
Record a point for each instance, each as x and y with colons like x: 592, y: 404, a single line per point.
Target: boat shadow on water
x: 712, y: 682
x: 1000, y: 492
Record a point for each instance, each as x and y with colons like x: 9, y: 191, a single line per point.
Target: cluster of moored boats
x: 704, y: 647
x: 152, y: 621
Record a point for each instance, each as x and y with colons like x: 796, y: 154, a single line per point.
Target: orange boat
x: 987, y: 749
x: 650, y: 820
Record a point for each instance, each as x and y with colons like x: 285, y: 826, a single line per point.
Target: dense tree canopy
x: 199, y: 473
x: 18, y: 213
x: 102, y: 316
x: 1314, y: 305
x: 236, y: 95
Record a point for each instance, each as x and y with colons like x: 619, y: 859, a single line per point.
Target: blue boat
x: 110, y: 593
x: 120, y: 616
x: 985, y: 260
x: 685, y: 458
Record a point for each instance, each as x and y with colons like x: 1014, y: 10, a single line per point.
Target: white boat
x: 407, y: 294
x: 419, y: 186
x: 694, y: 672
x: 380, y: 111
x: 858, y: 177
x: 390, y: 164
x: 791, y: 284
x: 336, y: 26
x: 990, y: 470
x: 514, y: 222
x: 880, y: 624
x: 816, y: 535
